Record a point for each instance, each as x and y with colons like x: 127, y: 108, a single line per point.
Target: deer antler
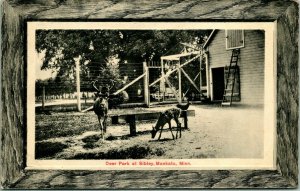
x: 95, y: 85
x: 111, y: 86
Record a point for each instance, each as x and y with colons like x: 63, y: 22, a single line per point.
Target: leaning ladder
x: 230, y: 78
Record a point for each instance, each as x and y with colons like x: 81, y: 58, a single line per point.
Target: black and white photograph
x: 151, y: 95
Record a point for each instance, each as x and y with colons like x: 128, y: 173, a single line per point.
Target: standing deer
x: 164, y: 118
x: 101, y: 107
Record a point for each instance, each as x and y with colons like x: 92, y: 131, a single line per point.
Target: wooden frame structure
x: 164, y: 76
x: 13, y: 87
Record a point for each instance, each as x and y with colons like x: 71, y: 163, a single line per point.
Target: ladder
x: 230, y: 79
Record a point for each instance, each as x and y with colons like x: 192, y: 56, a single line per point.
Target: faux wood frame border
x: 13, y: 86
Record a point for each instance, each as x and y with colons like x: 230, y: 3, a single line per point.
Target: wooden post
x: 146, y: 84
x: 207, y: 75
x: 185, y: 119
x: 200, y: 76
x: 132, y: 125
x: 179, y: 82
x: 78, y: 84
x: 115, y: 120
x: 43, y: 98
x: 163, y: 80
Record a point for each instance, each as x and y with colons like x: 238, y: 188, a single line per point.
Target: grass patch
x: 91, y: 139
x: 111, y: 138
x: 133, y: 152
x: 64, y: 125
x: 47, y: 149
x: 89, y: 146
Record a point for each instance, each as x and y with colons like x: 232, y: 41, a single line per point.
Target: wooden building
x: 249, y: 71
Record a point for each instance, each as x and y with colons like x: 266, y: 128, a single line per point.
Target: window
x: 234, y: 39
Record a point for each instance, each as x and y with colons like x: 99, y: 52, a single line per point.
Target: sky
x: 42, y: 74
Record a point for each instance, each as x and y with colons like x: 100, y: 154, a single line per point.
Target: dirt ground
x: 214, y: 132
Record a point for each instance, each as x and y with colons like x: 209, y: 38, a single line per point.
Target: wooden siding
x: 251, y: 63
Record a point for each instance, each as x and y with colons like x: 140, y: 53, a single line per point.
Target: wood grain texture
x: 151, y: 179
x: 12, y: 95
x: 288, y: 92
x: 156, y: 9
x: 13, y: 98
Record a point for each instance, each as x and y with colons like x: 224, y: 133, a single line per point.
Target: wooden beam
x: 171, y: 87
x: 88, y: 109
x: 154, y: 67
x: 172, y: 71
x: 191, y: 81
x: 190, y: 46
x: 132, y: 82
x: 177, y: 56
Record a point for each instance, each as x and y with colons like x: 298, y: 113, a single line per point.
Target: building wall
x: 251, y: 63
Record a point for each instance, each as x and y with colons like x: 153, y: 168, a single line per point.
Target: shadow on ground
x: 132, y: 152
x: 47, y: 149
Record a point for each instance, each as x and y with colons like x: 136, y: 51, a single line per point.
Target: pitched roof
x: 177, y: 56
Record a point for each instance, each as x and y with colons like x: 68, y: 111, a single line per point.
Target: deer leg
x: 101, y: 127
x: 102, y: 131
x: 104, y: 124
x: 161, y: 129
x: 178, y: 127
x: 99, y: 119
x: 170, y: 127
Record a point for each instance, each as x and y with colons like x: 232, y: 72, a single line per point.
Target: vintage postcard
x: 151, y: 95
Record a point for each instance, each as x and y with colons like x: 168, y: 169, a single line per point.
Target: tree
x: 96, y: 49
x: 54, y: 86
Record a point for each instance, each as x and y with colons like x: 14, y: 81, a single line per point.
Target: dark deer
x: 101, y: 107
x: 184, y: 106
x: 166, y: 117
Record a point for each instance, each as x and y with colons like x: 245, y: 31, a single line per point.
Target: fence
x: 145, y: 83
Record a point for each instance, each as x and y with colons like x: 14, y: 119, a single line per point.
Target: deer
x: 166, y: 117
x: 100, y: 107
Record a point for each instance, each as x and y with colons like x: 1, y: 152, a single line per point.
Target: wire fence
x: 117, y: 77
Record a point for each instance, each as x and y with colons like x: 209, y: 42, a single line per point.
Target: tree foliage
x: 54, y: 86
x: 95, y: 48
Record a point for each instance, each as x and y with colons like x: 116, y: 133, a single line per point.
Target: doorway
x: 218, y: 83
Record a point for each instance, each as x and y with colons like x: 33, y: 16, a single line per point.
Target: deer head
x: 103, y: 92
x: 153, y: 132
x: 160, y: 123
